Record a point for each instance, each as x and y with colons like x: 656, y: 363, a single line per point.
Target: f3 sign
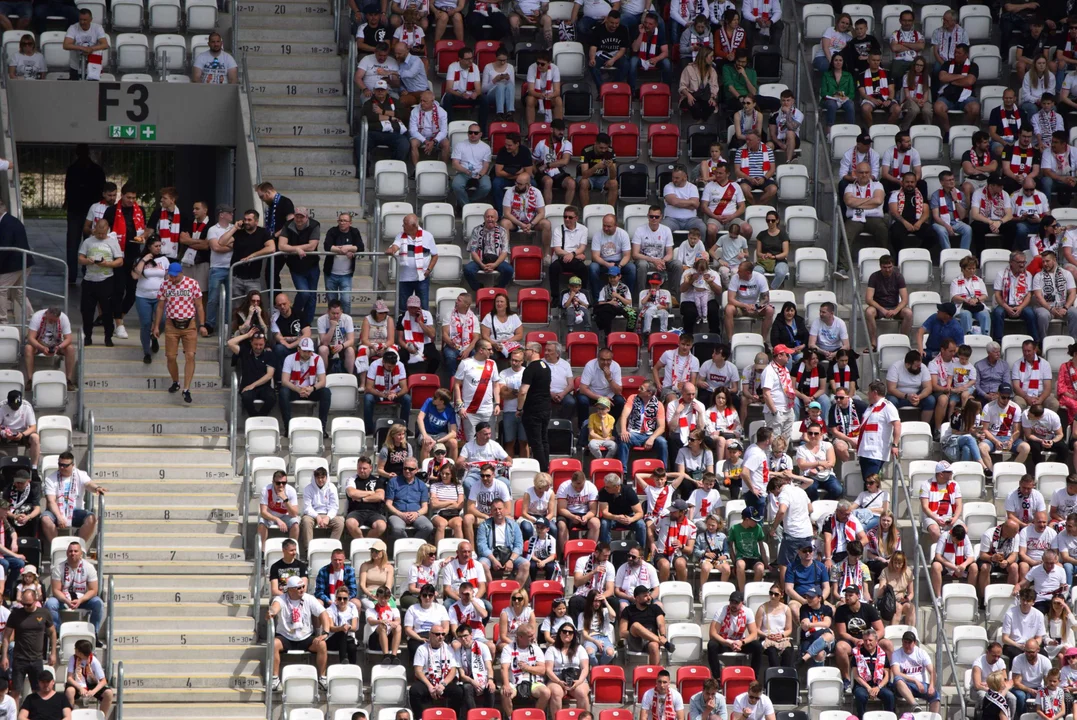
x: 113, y: 95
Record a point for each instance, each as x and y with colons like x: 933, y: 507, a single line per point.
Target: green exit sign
x: 122, y: 132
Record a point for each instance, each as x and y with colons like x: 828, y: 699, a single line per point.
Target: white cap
x: 294, y: 582
x: 306, y: 344
x: 942, y: 467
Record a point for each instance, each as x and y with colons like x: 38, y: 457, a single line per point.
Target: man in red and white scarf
x: 386, y: 381
x: 683, y: 415
x: 1013, y: 297
x: 733, y: 629
x: 663, y: 701
x: 991, y: 211
x: 303, y: 378
x: 764, y: 19
x: 459, y: 334
x: 676, y: 540
x: 911, y: 215
x: 778, y: 392
x: 954, y: 558
x: 900, y: 159
x: 166, y: 223
x: 755, y: 170
x: 1029, y: 207
x: 1033, y: 379
x: 839, y: 530
x: 876, y: 94
x: 1058, y: 169
x: 523, y: 210
x: 464, y: 568
x: 463, y: 86
x: 1020, y: 161
x: 428, y: 129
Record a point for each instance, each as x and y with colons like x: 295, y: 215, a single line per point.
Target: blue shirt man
x: 938, y: 327
x: 406, y: 499
x: 804, y: 574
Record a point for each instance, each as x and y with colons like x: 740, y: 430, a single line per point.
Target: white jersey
x: 877, y: 430
x: 470, y: 374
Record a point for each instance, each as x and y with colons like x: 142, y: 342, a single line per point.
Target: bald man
x: 524, y: 210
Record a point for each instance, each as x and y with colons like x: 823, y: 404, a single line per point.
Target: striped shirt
x: 757, y: 158
x: 446, y: 493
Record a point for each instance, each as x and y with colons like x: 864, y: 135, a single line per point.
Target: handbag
x: 569, y: 675
x: 181, y: 324
x: 523, y: 691
x: 887, y: 603
x: 502, y: 553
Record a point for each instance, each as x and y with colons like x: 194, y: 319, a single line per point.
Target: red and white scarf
x: 843, y: 378
x: 1034, y: 381
x: 745, y: 154
x: 384, y: 612
x: 469, y: 617
x: 947, y: 204
x: 918, y: 202
x: 431, y: 119
x: 414, y: 249
x: 299, y: 376
x: 168, y: 229
x: 862, y: 665
x: 980, y: 160
x: 1021, y: 161
x: 734, y: 626
x: 649, y: 47
x: 992, y: 205
x: 385, y: 378
x: 762, y: 9
x: 1020, y: 289
x: 966, y: 93
x: 682, y: 531
x: 954, y: 552
x: 678, y: 371
x: 852, y: 573
x: 877, y: 84
x: 729, y: 43
x: 726, y: 413
x: 541, y: 80
x: 119, y: 224
x: 411, y: 38
x: 336, y: 579
x: 813, y: 382
x: 472, y: 578
x: 413, y: 331
x: 848, y: 527
x: 785, y: 379
x: 525, y: 207
x: 462, y: 328
x: 1011, y: 120
x: 468, y: 79
x: 663, y: 710
x: 905, y: 164
x: 918, y: 90
x: 440, y: 663
x: 942, y: 506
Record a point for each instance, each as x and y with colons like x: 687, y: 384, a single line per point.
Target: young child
x: 615, y: 298
x: 785, y: 126
x: 843, y: 373
x: 1046, y: 122
x: 600, y: 425
x: 729, y: 251
x: 965, y: 377
x: 27, y: 579
x: 1051, y: 700
x: 542, y: 552
x: 815, y: 417
x: 711, y: 551
x: 704, y: 501
x: 1068, y: 678
x: 748, y: 547
x: 660, y: 492
x: 552, y: 623
x: 687, y: 253
x: 411, y: 34
x: 707, y: 167
x: 575, y: 304
x: 86, y: 677
x: 734, y: 461
x: 654, y: 304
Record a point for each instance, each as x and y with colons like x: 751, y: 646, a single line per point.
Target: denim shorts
x: 78, y: 517
x: 956, y: 104
x: 598, y: 181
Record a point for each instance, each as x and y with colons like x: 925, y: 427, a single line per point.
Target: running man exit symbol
x: 148, y: 132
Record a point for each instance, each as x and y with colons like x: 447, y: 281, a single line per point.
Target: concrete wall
x: 247, y: 174
x: 48, y: 111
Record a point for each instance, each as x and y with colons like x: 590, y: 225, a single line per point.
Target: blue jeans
x: 465, y: 196
x: 94, y: 605
x: 781, y: 272
x: 821, y: 64
x: 635, y: 439
x: 369, y: 401
x: 306, y: 296
x: 860, y: 699
x: 963, y: 231
x: 218, y: 283
x: 751, y: 500
x: 1022, y: 698
x: 867, y: 518
x: 664, y: 66
x: 504, y: 97
x: 1068, y: 567
x: 618, y: 73
x: 146, y: 308
x: 870, y: 466
x: 598, y: 274
x: 819, y: 644
x: 471, y: 274
x: 334, y: 284
x: 998, y: 317
x: 597, y: 656
x: 919, y: 690
x: 638, y: 528
x: 968, y: 449
x: 12, y: 568
x: 451, y: 358
x: 831, y: 107
x: 927, y: 404
x: 983, y: 317
x: 414, y: 287
x: 1023, y: 230
x: 829, y: 484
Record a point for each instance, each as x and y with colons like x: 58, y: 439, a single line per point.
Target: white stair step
x: 170, y: 512
x: 121, y: 541
x: 199, y: 426
x: 260, y: 28
x: 131, y: 350
x: 136, y: 457
x: 280, y: 75
x: 286, y: 158
x: 284, y: 9
x: 196, y: 596
x: 105, y: 367
x: 287, y: 118
x: 170, y: 582
x: 167, y: 406
x: 312, y: 183
x: 187, y: 610
x: 127, y: 439
x: 264, y: 100
x: 300, y: 144
x: 153, y: 381
x: 202, y: 680
x: 196, y: 695
x: 140, y: 567
x: 203, y: 636
x: 174, y: 554
x: 199, y: 711
x: 336, y: 202
x: 191, y: 528
x: 101, y: 399
x: 291, y: 61
x: 184, y: 654
x: 135, y: 500
x: 180, y: 626
x: 305, y: 168
x: 286, y: 47
x: 228, y: 487
x: 174, y: 471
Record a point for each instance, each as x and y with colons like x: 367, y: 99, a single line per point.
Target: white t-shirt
x: 306, y: 378
x: 875, y: 444
x: 369, y: 62
x: 578, y: 501
x: 675, y: 364
x: 501, y: 330
x: 214, y: 69
x: 715, y: 377
x: 759, y: 711
x: 674, y: 698
x: 407, y: 265
x: 688, y: 192
x: 611, y: 247
x: 863, y: 191
x: 1031, y: 376
x: 797, y: 522
x: 296, y: 618
x: 1034, y: 542
x: 218, y: 259
x: 755, y: 470
x: 512, y: 655
x: 67, y: 491
x: 1046, y: 583
x: 986, y: 669
x: 469, y: 374
x: 49, y: 337
x: 1031, y: 673
x: 914, y: 664
x: 829, y: 337
x: 483, y: 496
x: 92, y: 672
x: 561, y: 659
x: 17, y: 420
x: 106, y: 250
x: 594, y: 378
x: 994, y: 416
x: 748, y: 291
x: 474, y: 452
x: 905, y: 381
x: 715, y: 195
x: 275, y: 506
x: 546, y: 151
x: 344, y: 326
x: 28, y: 67
x: 421, y: 619
x: 511, y: 379
x: 629, y: 577
x: 1067, y: 276
x: 472, y: 155
x: 1062, y: 501
x: 560, y: 375
x: 1045, y: 428
x: 653, y: 243
x: 538, y: 506
x: 435, y: 663
x: 771, y: 381
x: 1024, y: 508
x: 1022, y: 628
x: 83, y: 38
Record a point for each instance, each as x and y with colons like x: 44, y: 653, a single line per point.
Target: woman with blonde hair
x: 374, y: 573
x: 698, y: 88
x: 883, y: 541
x: 424, y: 572
x: 446, y: 503
x: 538, y: 502
x: 898, y: 577
x: 394, y: 452
x: 517, y: 613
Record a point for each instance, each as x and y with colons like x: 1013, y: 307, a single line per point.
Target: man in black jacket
x: 13, y: 235
x: 343, y: 241
x: 82, y: 188
x: 386, y: 128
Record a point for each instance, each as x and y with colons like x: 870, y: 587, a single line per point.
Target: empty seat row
x: 130, y: 52
x: 817, y: 18
x: 195, y: 16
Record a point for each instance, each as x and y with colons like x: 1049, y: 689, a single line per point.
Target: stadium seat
x: 132, y: 50
x: 700, y: 138
x: 816, y: 18
x: 73, y: 631
x: 976, y: 19
x: 1011, y: 347
x: 979, y: 344
x: 736, y: 679
x: 625, y: 347
x: 431, y: 181
x: 713, y: 596
x: 801, y: 222
x: 624, y: 138
x: 582, y: 134
x: 654, y: 100
x: 344, y: 685
x: 345, y: 392
x: 990, y: 98
x: 631, y: 384
x: 497, y: 133
x: 979, y: 517
x: 969, y: 476
x: 392, y: 218
x: 744, y: 347
x: 498, y: 593
x: 916, y: 266
x: 54, y: 432
x: 533, y: 304
x: 1050, y: 476
x: 320, y: 550
x: 812, y: 266
x: 756, y: 593
x: 543, y: 593
x: 526, y: 264
x: 687, y: 639
x: 439, y: 219
x: 824, y: 687
x: 127, y: 15
x: 614, y: 714
x: 574, y: 550
x: 483, y: 714
x: 793, y: 183
x: 51, y: 43
x: 664, y: 142
x: 998, y: 598
x: 262, y: 470
x: 555, y: 213
x: 677, y: 600
x: 562, y: 469
x: 305, y: 436
x: 299, y: 685
x: 842, y: 137
x: 537, y: 132
x: 603, y: 466
x: 348, y: 433
x: 634, y: 182
x: 867, y: 261
x: 923, y: 305
x: 813, y: 300
x: 471, y: 216
x: 782, y: 685
x: 485, y: 299
x: 581, y: 347
x: 658, y: 343
x: 49, y: 389
x: 1055, y: 350
x: 304, y: 471
x: 11, y: 39
x: 969, y: 642
x: 643, y: 678
x: 522, y: 475
x: 959, y: 603
x: 949, y: 261
x: 446, y: 52
x: 201, y: 16
x: 562, y: 437
x: 165, y: 17
x: 570, y: 59
x: 388, y: 685
x: 915, y: 440
x: 593, y: 214
x: 927, y: 139
x: 608, y: 684
x: 989, y: 59
x: 634, y: 216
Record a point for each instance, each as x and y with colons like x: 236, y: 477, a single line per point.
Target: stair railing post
x: 270, y: 634
x: 108, y: 626
x: 119, y: 691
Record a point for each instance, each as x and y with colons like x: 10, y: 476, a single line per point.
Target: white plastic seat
x: 471, y: 217
x: 893, y: 633
x: 405, y: 554
x: 388, y: 685
x: 998, y: 598
x: 969, y: 642
x: 49, y: 390
x: 687, y: 639
x: 174, y: 78
x: 439, y: 219
x: 793, y: 182
x: 979, y: 517
x: 825, y: 687
x: 345, y: 391
x: 262, y: 435
x: 635, y: 216
x: 842, y: 137
x: 930, y: 174
x: 10, y: 345
x: 892, y: 348
x: 452, y: 258
x: 273, y: 551
x: 137, y: 77
x: 201, y: 16
x: 200, y: 43
x: 1006, y: 477
x: 989, y: 59
x: 445, y: 300
x: 132, y: 50
x: 522, y: 476
x: 1050, y: 476
x: 890, y: 17
x: 959, y: 603
x: 306, y: 714
x: 127, y: 15
x: 390, y: 179
x: 950, y: 263
x: 990, y: 98
x: 813, y: 300
x: 560, y: 10
x: 734, y: 509
x: 570, y: 59
x: 51, y: 43
x: 458, y: 131
x: 757, y: 214
x: 262, y: 470
x: 299, y: 685
x: 319, y: 552
x: 801, y: 222
x: 976, y: 19
x: 392, y: 218
x: 345, y: 471
x: 447, y: 547
x: 592, y: 216
x: 868, y: 261
x: 778, y: 298
x: 431, y: 180
x: 879, y: 715
x: 931, y: 18
x: 165, y: 16
x: 969, y: 476
x: 1056, y: 351
x: 923, y: 305
x: 979, y: 344
x: 960, y: 140
x: 1011, y: 347
x: 10, y: 41
x: 169, y: 50
x: 347, y: 434
x: 714, y: 594
x: 304, y: 472
x: 772, y: 90
x: 90, y: 714
x: 11, y: 380
x: 916, y: 265
x: 555, y: 213
x: 305, y: 436
x: 821, y: 509
x: 54, y: 432
x: 345, y: 685
x: 756, y: 593
x: 58, y: 548
x: 886, y: 131
x: 677, y: 600
x: 360, y: 549
x: 857, y: 11
x: 73, y: 631
x: 992, y: 262
x: 927, y: 139
x: 915, y: 440
x: 816, y: 19
x: 812, y: 266
x: 745, y: 346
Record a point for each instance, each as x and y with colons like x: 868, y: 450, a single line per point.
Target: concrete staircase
x: 300, y: 104
x: 182, y: 610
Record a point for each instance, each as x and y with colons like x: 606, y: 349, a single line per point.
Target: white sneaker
x: 120, y: 332
x: 276, y: 684
x: 323, y: 682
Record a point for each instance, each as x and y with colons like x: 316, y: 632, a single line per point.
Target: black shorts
x: 374, y: 643
x: 558, y: 179
x: 767, y: 182
x: 21, y: 671
x: 366, y: 518
x: 81, y: 691
x: 304, y: 645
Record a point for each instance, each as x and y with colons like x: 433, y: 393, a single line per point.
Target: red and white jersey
x: 877, y: 430
x: 276, y: 505
x: 1000, y: 421
x: 940, y: 497
x: 756, y: 471
x: 1035, y: 203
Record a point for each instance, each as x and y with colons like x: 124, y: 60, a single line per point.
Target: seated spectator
x: 279, y: 508
x: 619, y: 508
x: 250, y: 315
x: 857, y: 626
x: 592, y: 573
x: 723, y: 202
x: 1030, y: 206
x: 864, y: 200
x: 748, y: 296
x: 86, y: 678
x: 502, y: 327
x: 543, y: 88
x: 1053, y: 294
x: 987, y: 665
x: 512, y: 159
x: 28, y: 63
x: 1048, y: 579
x: 1044, y: 433
x: 407, y: 500
x: 288, y: 566
x: 698, y: 89
x: 681, y: 205
x: 517, y: 614
x: 288, y: 327
x: 335, y: 575
x: 215, y: 66
x: 45, y: 703
x: 908, y: 383
x: 733, y: 629
x: 463, y: 82
x: 999, y: 553
x: 954, y: 559
x: 424, y: 617
x: 815, y: 460
x: 366, y: 501
x: 336, y: 338
x: 860, y: 47
x: 1028, y: 672
x: 569, y: 249
x: 344, y: 626
x: 649, y: 51
x: 1022, y: 623
x: 809, y: 386
x: 446, y: 498
x: 386, y: 381
x: 470, y: 612
x: 538, y: 504
x: 378, y: 65
x: 552, y: 156
x: 479, y: 453
x: 876, y: 94
x: 700, y: 289
x: 84, y: 36
x: 598, y: 171
x: 523, y: 668
x: 320, y: 505
x: 610, y: 44
x: 600, y: 425
x: 385, y: 126
x: 303, y: 378
x: 1058, y: 169
x: 1036, y: 536
x: 256, y: 372
x: 601, y: 378
x: 459, y: 334
x: 614, y: 298
x: 437, y: 425
x: 911, y: 215
x: 65, y: 490
x: 1020, y: 161
x: 561, y: 379
x: 914, y: 675
x: 1003, y: 129
x: 395, y: 450
x: 435, y: 671
x: 523, y: 210
x: 471, y: 161
x: 837, y: 87
x: 1037, y: 83
x: 661, y: 701
x: 828, y: 334
x: 428, y: 128
x: 968, y: 294
x: 1032, y: 379
x: 747, y: 547
x: 916, y: 91
x: 1002, y: 425
x: 654, y: 304
x: 772, y: 251
x: 374, y: 573
x: 719, y: 373
x: 755, y: 170
x: 577, y: 509
x: 991, y: 373
x: 501, y: 558
x: 75, y: 587
x: 476, y: 664
x: 887, y: 296
x: 775, y: 622
x: 957, y: 81
x: 18, y: 425
x: 374, y: 31
x: 675, y: 542
x: 418, y: 352
x: 49, y: 334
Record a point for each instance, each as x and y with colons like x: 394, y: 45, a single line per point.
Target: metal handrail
x: 364, y: 146
x: 108, y: 625
x: 942, y: 642
x: 233, y: 417
x: 349, y: 82
x: 268, y: 670
x: 119, y: 690
x: 26, y: 289
x: 252, y: 135
x: 235, y: 28
x: 100, y: 536
x: 245, y: 499
x: 257, y: 580
x: 80, y: 369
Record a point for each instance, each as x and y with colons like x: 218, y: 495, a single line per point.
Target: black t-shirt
x: 374, y: 35
x: 514, y: 164
x: 277, y: 213
x: 252, y: 367
x: 537, y: 377
x: 291, y: 326
x: 808, y: 613
x: 301, y: 237
x: 647, y: 617
x: 623, y: 503
x: 953, y: 92
x: 41, y: 709
x: 1008, y: 152
x: 995, y: 120
x: 855, y: 49
x: 30, y: 631
x: 1033, y: 47
x: 609, y: 43
x: 372, y: 483
x: 130, y: 247
x: 856, y: 623
x: 281, y: 571
x: 23, y: 503
x: 593, y: 158
x: 244, y: 245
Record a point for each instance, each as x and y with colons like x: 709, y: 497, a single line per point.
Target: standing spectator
x: 152, y: 268
x: 84, y: 36
x: 417, y: 255
x: 535, y: 401
x: 302, y: 235
x: 343, y: 241
x: 471, y: 161
x: 181, y: 306
x: 83, y: 185
x: 251, y: 242
x: 75, y: 587
x: 31, y: 629
x: 101, y: 255
x: 279, y: 212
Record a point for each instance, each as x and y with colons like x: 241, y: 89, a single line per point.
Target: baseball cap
x: 380, y: 306
x: 863, y: 139
x: 381, y: 85
x: 810, y: 593
x: 947, y: 307
x: 640, y: 589
x: 782, y: 350
x: 175, y: 269
x: 302, y: 211
x: 541, y: 522
x: 814, y: 404
x: 440, y: 448
x: 1070, y: 652
x: 654, y: 278
x: 293, y: 582
x: 615, y: 270
x: 414, y: 301
x: 48, y: 670
x: 851, y: 589
x: 736, y: 596
x: 306, y: 344
x: 751, y: 513
x: 603, y: 401
x: 372, y: 9
x: 942, y: 467
x: 575, y: 281
x: 734, y: 444
x: 679, y: 504
x: 1005, y: 389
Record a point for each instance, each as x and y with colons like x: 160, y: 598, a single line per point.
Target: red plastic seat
x: 644, y: 678
x: 630, y: 384
x: 533, y: 304
x: 616, y: 101
x: 446, y: 52
x: 526, y: 263
x: 654, y: 99
x: 422, y: 387
x: 582, y: 134
x: 562, y: 470
x: 601, y: 467
x: 644, y: 466
x: 625, y: 139
x: 439, y: 714
x: 528, y: 714
x: 543, y: 593
x: 582, y: 347
x: 518, y: 508
x: 567, y: 714
x: 541, y: 336
x: 498, y: 593
x: 625, y: 347
x: 608, y: 684
x: 486, y: 52
x: 483, y: 714
x: 615, y: 714
x: 664, y: 142
x: 574, y: 550
x: 498, y: 131
x: 690, y: 679
x: 736, y: 679
x: 538, y: 132
x: 657, y: 343
x: 485, y: 297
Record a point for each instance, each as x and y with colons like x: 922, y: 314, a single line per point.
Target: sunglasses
x: 568, y: 631
x: 814, y: 434
x: 342, y: 598
x: 775, y: 594
x: 655, y: 217
x: 437, y: 634
x: 474, y: 132
x: 65, y: 465
x: 772, y: 220
x: 409, y: 469
x: 280, y: 484
x: 518, y: 599
x: 569, y: 217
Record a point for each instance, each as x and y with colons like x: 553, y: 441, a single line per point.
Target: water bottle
x: 976, y: 329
